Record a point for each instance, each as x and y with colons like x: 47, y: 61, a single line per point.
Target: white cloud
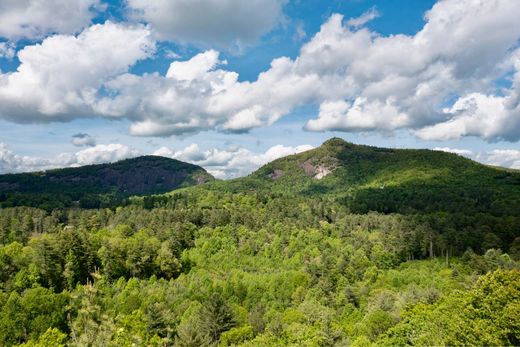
x: 7, y: 50
x: 13, y: 163
x: 476, y: 114
x: 37, y: 18
x: 213, y: 99
x: 509, y: 158
x: 225, y: 24
x: 62, y: 77
x: 339, y: 115
x: 10, y: 162
x: 82, y: 139
x: 104, y: 154
x: 195, y: 68
x: 403, y: 81
x: 364, y: 18
x: 362, y: 81
x: 501, y: 157
x: 231, y: 162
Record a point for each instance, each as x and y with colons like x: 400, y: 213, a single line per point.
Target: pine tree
x: 216, y: 316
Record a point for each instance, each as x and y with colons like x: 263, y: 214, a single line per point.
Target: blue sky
x: 230, y: 84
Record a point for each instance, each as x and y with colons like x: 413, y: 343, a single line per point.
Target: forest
x: 371, y: 255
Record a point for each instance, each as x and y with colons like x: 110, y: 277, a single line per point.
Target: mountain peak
x: 336, y: 145
x: 335, y: 141
x: 342, y: 169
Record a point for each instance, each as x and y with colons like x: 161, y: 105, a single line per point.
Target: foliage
x: 102, y: 185
x: 486, y: 315
x: 285, y: 262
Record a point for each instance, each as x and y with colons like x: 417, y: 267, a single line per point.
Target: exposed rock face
x: 201, y: 179
x: 276, y: 174
x: 319, y: 168
x: 308, y: 167
x: 321, y: 171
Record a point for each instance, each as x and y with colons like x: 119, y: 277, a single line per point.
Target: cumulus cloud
x: 362, y: 81
x: 225, y: 24
x: 501, y: 157
x: 195, y: 68
x: 62, y: 77
x: 36, y: 18
x: 82, y: 140
x: 231, y: 162
x: 13, y: 163
x: 490, y: 117
x: 403, y: 81
x: 103, y: 154
x: 207, y: 97
x: 340, y: 115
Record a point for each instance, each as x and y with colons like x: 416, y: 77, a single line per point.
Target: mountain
x: 388, y: 180
x: 100, y: 185
x: 362, y: 178
x: 286, y: 256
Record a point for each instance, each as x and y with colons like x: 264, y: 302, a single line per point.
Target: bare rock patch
x: 319, y: 168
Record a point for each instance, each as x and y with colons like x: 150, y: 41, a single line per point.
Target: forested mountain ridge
x: 366, y: 178
x: 94, y: 186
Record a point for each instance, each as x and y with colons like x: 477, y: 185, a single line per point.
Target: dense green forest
x: 344, y: 245
x: 102, y: 185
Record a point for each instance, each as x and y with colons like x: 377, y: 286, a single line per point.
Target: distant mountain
x: 363, y: 178
x: 100, y: 185
x: 388, y: 180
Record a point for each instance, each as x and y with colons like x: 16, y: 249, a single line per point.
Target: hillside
x: 100, y: 185
x: 387, y: 180
x: 284, y: 257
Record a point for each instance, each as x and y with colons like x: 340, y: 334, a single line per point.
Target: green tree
x: 216, y: 316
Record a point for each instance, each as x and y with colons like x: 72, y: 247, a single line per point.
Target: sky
x: 231, y: 85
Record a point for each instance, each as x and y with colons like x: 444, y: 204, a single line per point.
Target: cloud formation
x: 82, y: 140
x: 222, y: 163
x: 404, y: 81
x: 224, y: 24
x: 440, y: 83
x: 488, y: 116
x: 13, y: 163
x: 227, y: 163
x: 231, y: 162
x: 63, y: 77
x: 36, y: 18
x: 509, y: 158
x: 502, y: 157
